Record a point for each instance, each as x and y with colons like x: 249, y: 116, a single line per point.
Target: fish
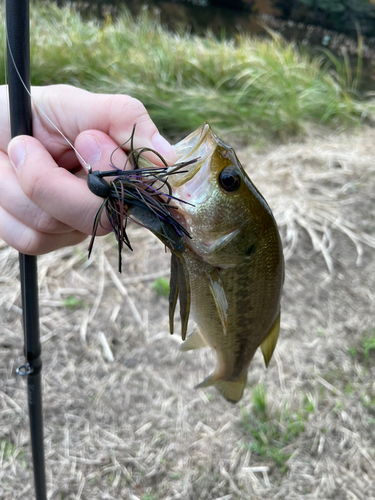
x: 229, y: 273
x: 227, y: 265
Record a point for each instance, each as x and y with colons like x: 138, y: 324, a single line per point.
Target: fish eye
x: 229, y: 179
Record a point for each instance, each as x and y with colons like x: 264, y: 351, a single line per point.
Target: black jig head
x: 142, y: 195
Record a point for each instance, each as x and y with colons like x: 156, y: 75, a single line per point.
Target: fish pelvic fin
x: 194, y: 341
x: 231, y: 390
x: 184, y: 295
x: 173, y: 290
x: 217, y: 290
x: 179, y: 287
x: 268, y: 345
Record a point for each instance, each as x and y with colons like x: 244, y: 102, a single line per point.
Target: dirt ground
x: 122, y: 420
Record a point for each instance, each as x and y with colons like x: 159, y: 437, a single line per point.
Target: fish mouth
x: 191, y: 185
x: 194, y: 186
x: 198, y: 146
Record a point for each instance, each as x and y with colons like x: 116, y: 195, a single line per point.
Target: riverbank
x: 122, y: 419
x: 249, y: 87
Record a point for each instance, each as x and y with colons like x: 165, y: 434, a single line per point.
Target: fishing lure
x: 142, y: 194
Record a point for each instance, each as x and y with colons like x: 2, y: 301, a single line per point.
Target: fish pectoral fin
x: 268, y: 345
x: 231, y: 390
x: 217, y: 290
x: 194, y: 341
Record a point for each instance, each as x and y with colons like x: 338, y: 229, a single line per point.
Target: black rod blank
x: 18, y: 57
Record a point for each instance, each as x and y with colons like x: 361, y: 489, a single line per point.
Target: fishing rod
x: 129, y: 196
x: 18, y: 63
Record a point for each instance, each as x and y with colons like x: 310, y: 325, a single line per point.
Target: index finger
x: 76, y: 110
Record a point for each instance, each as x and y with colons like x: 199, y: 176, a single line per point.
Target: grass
x: 271, y: 432
x: 72, y: 302
x: 365, y: 351
x: 148, y: 496
x: 342, y: 68
x: 135, y: 426
x: 161, y: 286
x: 9, y: 452
x: 95, y: 409
x: 368, y: 344
x: 247, y: 86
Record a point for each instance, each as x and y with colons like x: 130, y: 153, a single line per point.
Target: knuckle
x: 30, y: 242
x: 139, y: 109
x: 29, y: 184
x: 47, y: 224
x: 33, y: 185
x: 129, y: 107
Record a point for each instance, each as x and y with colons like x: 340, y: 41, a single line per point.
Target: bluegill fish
x: 227, y: 266
x: 230, y: 271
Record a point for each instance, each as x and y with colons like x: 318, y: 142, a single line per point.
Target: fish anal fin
x: 231, y: 390
x: 217, y: 290
x: 194, y: 341
x: 268, y: 345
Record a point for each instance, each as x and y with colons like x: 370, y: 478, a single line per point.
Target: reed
x: 246, y: 86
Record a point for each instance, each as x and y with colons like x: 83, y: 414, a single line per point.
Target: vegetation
x: 9, y: 453
x: 247, y: 86
x: 271, y: 432
x: 72, y: 302
x: 161, y: 286
x: 134, y: 427
x: 368, y: 343
x: 365, y: 351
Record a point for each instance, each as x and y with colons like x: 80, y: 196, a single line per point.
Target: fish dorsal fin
x: 268, y: 345
x: 194, y: 341
x: 217, y: 290
x: 179, y: 286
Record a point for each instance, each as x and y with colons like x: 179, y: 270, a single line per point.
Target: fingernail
x: 163, y: 147
x: 89, y: 148
x: 17, y: 152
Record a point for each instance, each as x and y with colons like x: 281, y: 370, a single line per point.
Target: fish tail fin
x: 268, y: 345
x: 231, y: 390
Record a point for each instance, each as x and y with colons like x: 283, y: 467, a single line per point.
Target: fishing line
x: 5, y: 61
x: 142, y: 195
x: 84, y: 163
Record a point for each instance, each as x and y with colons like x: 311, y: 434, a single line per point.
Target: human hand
x: 45, y: 203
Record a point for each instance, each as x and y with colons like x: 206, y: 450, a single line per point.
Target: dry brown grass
x: 122, y: 420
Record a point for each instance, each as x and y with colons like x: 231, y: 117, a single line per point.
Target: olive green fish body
x: 252, y: 291
x: 230, y: 273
